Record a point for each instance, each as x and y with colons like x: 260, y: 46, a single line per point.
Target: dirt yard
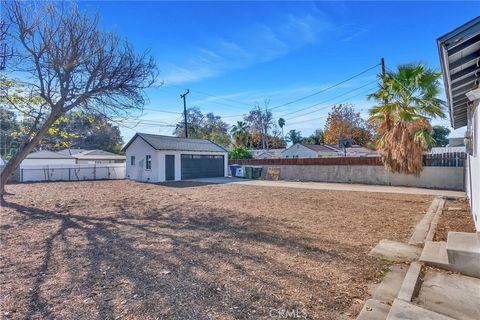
x: 126, y: 250
x: 456, y: 216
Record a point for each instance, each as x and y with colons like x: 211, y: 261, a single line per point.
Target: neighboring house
x: 48, y: 158
x: 267, y: 153
x: 156, y: 158
x: 300, y: 150
x: 93, y: 156
x: 459, y: 54
x: 72, y: 156
x: 456, y: 142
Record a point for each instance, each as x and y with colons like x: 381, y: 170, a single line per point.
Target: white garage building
x: 156, y: 158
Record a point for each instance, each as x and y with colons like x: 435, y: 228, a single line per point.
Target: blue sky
x: 232, y: 55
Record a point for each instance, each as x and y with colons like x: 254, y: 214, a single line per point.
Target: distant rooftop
x: 45, y: 154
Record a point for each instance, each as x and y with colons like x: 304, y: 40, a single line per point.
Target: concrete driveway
x: 333, y: 186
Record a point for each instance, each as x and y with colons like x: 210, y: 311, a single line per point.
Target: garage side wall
x: 140, y: 149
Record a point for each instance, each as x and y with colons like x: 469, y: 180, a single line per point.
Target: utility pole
x: 183, y: 96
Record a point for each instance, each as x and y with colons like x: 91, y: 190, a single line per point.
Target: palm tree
x: 240, y: 133
x: 294, y: 136
x: 281, y: 124
x: 408, y: 99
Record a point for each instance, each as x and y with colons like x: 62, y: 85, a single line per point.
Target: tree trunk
x: 27, y: 147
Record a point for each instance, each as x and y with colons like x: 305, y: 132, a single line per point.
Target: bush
x: 238, y: 153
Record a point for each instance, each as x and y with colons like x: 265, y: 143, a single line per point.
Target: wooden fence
x: 451, y: 159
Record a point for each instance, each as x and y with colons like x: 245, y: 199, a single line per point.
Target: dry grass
x: 456, y: 216
x: 120, y: 249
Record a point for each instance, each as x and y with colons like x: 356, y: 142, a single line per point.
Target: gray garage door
x: 201, y: 166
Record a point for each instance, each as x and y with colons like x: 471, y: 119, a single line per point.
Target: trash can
x: 248, y: 172
x: 234, y: 168
x: 257, y: 172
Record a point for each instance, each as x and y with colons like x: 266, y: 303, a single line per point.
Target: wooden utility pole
x: 183, y: 96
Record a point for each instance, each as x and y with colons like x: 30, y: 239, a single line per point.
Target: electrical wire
x: 319, y: 103
x: 329, y: 106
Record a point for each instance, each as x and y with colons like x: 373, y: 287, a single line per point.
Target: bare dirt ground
x: 127, y: 250
x: 456, y: 216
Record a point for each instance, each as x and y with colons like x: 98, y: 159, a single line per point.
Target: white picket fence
x: 30, y: 173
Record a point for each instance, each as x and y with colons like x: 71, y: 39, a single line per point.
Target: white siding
x: 140, y: 149
x: 299, y: 151
x: 472, y: 180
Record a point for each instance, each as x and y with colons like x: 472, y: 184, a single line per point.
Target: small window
x: 148, y: 162
x: 132, y: 160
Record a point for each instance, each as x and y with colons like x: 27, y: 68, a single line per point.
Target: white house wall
x: 299, y: 151
x: 472, y: 181
x: 140, y: 149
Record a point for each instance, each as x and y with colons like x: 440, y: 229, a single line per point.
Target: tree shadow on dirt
x: 172, y: 263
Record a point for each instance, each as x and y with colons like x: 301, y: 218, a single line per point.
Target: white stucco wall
x: 139, y: 148
x: 472, y: 180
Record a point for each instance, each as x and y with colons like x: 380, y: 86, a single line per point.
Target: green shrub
x: 239, y: 153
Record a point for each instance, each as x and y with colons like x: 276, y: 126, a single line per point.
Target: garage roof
x: 460, y: 58
x: 160, y: 142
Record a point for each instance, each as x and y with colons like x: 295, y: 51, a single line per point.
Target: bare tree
x: 261, y: 121
x: 63, y: 58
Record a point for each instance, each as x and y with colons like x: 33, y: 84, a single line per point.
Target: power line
x: 212, y: 95
x: 313, y: 111
x: 315, y: 93
x: 346, y: 100
x: 319, y: 103
x: 162, y: 111
x: 326, y: 89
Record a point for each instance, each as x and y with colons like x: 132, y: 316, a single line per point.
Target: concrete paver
x: 396, y: 251
x: 454, y: 295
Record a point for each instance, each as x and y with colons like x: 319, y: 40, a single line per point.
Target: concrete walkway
x: 333, y: 186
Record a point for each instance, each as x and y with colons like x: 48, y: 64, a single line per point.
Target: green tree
x: 85, y: 131
x: 240, y: 133
x: 239, y: 152
x: 440, y: 135
x: 315, y: 138
x: 294, y: 136
x: 202, y: 126
x: 407, y: 99
x: 8, y: 128
x: 69, y: 63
